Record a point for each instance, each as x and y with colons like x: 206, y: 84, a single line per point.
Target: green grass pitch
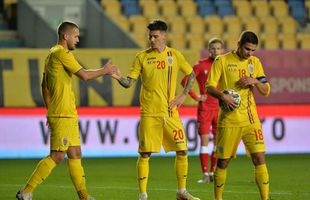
x: 115, y: 179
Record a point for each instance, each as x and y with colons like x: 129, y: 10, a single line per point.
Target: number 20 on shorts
x: 178, y: 134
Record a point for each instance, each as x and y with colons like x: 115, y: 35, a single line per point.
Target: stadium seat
x: 261, y: 8
x: 279, y: 8
x: 177, y: 25
x: 112, y: 8
x: 196, y: 25
x: 168, y: 8
x: 230, y: 41
x: 141, y: 39
x: 187, y: 8
x: 224, y: 7
x: 303, y: 40
x: 214, y: 26
x: 177, y: 41
x: 298, y: 10
x: 205, y: 8
x: 138, y: 24
x: 150, y: 8
x: 288, y: 42
x: 243, y: 8
x: 122, y: 21
x: 232, y: 25
x: 270, y: 26
x: 252, y: 24
x: 288, y: 25
x: 195, y: 42
x: 271, y: 42
x: 130, y: 7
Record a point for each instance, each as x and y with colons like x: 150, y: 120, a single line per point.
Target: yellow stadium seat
x: 196, y: 25
x: 141, y: 39
x: 168, y: 8
x: 177, y: 25
x: 252, y: 24
x: 303, y: 40
x: 196, y: 43
x: 231, y: 40
x: 279, y: 9
x: 138, y: 24
x: 270, y: 26
x: 112, y: 8
x: 261, y: 8
x: 288, y: 25
x: 288, y: 42
x: 271, y: 42
x: 122, y: 21
x: 232, y: 25
x: 177, y: 41
x: 150, y: 9
x: 214, y: 26
x: 243, y: 8
x: 187, y: 8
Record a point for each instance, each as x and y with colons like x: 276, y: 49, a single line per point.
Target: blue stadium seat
x: 298, y: 10
x: 205, y: 7
x: 224, y: 7
x: 130, y: 7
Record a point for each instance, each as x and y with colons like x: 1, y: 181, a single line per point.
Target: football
x: 236, y: 96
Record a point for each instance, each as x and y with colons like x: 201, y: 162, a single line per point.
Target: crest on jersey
x: 205, y: 71
x: 170, y: 60
x: 65, y: 141
x: 251, y: 67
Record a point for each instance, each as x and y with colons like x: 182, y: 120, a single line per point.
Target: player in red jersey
x: 207, y: 109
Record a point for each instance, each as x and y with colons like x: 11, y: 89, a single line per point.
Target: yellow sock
x: 262, y: 180
x: 43, y: 169
x: 219, y: 182
x: 181, y: 166
x: 78, y: 177
x: 143, y: 172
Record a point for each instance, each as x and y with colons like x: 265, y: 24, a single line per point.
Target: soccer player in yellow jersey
x: 160, y: 124
x: 241, y: 71
x: 62, y: 117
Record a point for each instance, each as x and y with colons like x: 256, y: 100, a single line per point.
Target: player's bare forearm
x: 214, y: 92
x: 126, y: 82
x: 263, y: 88
x: 189, y: 83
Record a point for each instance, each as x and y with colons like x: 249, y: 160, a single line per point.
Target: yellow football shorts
x: 155, y: 132
x: 64, y: 132
x: 228, y: 139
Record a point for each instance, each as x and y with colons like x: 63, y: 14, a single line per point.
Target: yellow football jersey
x: 158, y: 72
x: 60, y: 64
x: 226, y: 70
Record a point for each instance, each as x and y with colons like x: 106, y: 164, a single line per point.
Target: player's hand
x: 110, y: 68
x: 202, y: 97
x: 246, y: 81
x: 177, y: 101
x: 117, y: 75
x: 229, y: 100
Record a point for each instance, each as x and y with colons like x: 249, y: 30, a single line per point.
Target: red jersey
x: 202, y: 70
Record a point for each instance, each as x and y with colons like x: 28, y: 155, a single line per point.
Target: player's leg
x: 227, y: 141
x: 255, y: 144
x: 174, y: 139
x: 150, y: 139
x: 213, y: 157
x: 58, y: 147
x: 74, y: 161
x: 204, y: 123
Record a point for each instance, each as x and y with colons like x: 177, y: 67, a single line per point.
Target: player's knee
x: 222, y: 163
x: 258, y: 158
x: 145, y: 155
x: 181, y: 153
x: 57, y: 157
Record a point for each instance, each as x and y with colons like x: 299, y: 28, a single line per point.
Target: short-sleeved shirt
x: 202, y: 69
x: 158, y: 72
x: 60, y: 65
x: 226, y: 70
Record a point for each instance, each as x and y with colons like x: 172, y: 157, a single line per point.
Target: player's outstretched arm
x: 90, y: 74
x: 179, y: 100
x: 126, y: 82
x: 45, y: 93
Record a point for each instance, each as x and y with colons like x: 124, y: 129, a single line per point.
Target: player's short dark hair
x: 157, y: 25
x: 65, y: 26
x: 248, y: 37
x: 215, y: 40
